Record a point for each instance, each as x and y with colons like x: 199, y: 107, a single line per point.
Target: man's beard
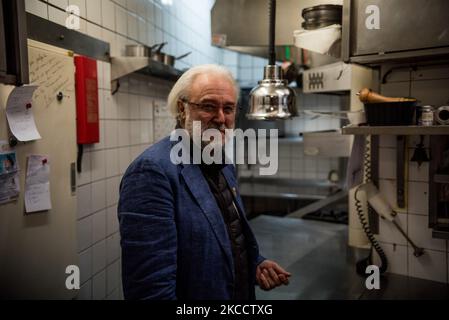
x: 221, y: 128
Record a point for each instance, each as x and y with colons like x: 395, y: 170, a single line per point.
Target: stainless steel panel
x: 404, y: 25
x: 51, y: 33
x: 242, y: 25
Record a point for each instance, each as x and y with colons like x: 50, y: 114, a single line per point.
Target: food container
x: 390, y: 113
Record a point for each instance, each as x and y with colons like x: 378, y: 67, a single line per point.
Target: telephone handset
x: 385, y: 211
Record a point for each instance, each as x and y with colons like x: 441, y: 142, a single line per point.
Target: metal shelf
x: 395, y: 130
x: 124, y: 66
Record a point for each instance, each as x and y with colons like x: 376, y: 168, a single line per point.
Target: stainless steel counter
x: 284, y: 188
x: 323, y: 266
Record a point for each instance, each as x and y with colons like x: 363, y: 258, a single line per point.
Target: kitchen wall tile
x: 101, y: 107
x: 142, y: 30
x: 112, y: 189
x: 135, y: 132
x: 123, y: 133
x: 95, y: 32
x: 98, y: 195
x: 387, y: 163
x: 57, y: 16
x: 387, y: 189
x: 145, y: 108
x: 112, y: 277
x: 133, y: 105
x: 112, y: 220
x: 397, y: 258
x: 107, y: 76
x: 113, y: 248
x: 110, y: 105
x: 98, y: 256
x: 84, y: 201
x: 131, y: 5
x: 112, y: 162
x: 111, y: 133
x: 124, y: 159
x: 108, y: 14
x: 37, y: 8
x: 93, y: 9
x: 418, y: 198
x: 85, y: 176
x: 84, y: 233
x: 416, y: 172
x: 98, y: 165
x: 99, y: 286
x: 421, y: 234
x: 121, y: 20
x: 99, y: 226
x: 388, y: 232
x: 132, y: 26
x: 85, y: 260
x: 114, y: 295
x: 85, y: 292
x: 62, y: 4
x: 122, y: 106
x: 431, y: 266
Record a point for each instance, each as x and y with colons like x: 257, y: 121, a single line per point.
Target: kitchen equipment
x: 420, y: 154
x: 272, y: 99
x: 170, y: 60
x: 442, y: 115
x: 329, y: 143
x: 157, y: 55
x: 138, y: 50
x: 321, y: 16
x: 387, y: 111
x: 426, y: 116
x: 368, y: 96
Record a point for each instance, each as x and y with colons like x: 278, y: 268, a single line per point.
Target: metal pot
x: 158, y: 55
x: 170, y: 60
x: 138, y: 50
x: 321, y: 16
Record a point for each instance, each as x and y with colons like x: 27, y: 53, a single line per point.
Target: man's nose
x: 219, y: 116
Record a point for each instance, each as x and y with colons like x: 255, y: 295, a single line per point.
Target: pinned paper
x: 9, y: 174
x: 19, y: 112
x: 37, y: 184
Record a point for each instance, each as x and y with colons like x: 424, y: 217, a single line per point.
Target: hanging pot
x: 157, y: 55
x: 170, y: 60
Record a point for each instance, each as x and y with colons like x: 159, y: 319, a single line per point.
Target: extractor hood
x: 242, y: 25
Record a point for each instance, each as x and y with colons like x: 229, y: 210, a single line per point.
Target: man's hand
x: 270, y: 275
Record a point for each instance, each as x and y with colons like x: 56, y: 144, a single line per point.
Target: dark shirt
x: 231, y: 217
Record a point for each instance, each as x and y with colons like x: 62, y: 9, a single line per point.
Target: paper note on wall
x: 9, y: 174
x: 19, y: 112
x: 37, y: 184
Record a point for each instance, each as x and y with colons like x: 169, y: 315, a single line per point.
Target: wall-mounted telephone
x: 365, y: 194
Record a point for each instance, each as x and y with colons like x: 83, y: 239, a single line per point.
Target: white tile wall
x: 433, y: 265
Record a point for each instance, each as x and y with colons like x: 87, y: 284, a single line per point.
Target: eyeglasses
x: 212, y: 108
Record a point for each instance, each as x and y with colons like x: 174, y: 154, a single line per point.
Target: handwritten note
x: 46, y: 71
x: 19, y: 112
x: 37, y: 184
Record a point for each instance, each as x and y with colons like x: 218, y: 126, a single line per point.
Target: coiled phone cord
x: 362, y: 264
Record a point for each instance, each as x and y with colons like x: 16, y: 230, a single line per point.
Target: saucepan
x: 170, y: 60
x: 139, y: 50
x: 158, y: 55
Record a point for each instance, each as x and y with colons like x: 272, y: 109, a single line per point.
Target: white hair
x: 181, y: 89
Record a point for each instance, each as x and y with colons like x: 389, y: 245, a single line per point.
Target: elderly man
x: 184, y: 234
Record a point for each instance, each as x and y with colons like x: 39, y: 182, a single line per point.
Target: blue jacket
x: 174, y: 240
